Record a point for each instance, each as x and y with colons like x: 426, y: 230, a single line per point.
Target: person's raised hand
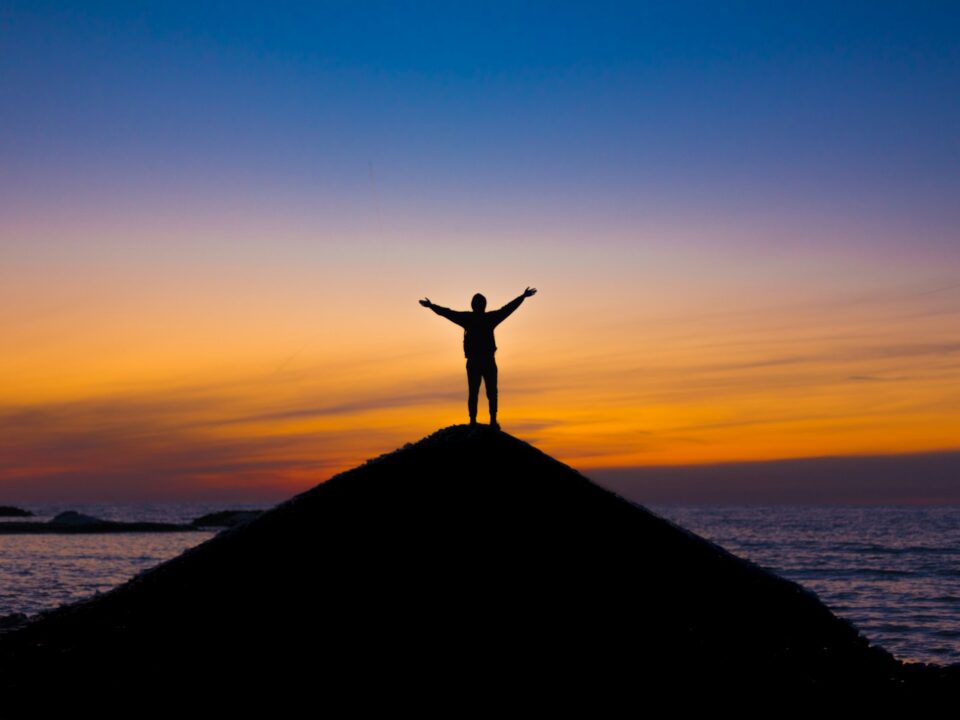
x: 425, y: 302
x: 529, y: 291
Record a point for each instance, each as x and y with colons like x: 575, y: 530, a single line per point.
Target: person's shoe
x: 473, y: 422
x: 494, y: 424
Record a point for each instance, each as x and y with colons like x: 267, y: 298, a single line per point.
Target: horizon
x: 742, y: 224
x: 800, y: 482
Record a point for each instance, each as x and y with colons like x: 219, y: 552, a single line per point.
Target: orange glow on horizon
x: 173, y: 379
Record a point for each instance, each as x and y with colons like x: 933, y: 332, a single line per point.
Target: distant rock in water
x: 72, y: 517
x: 226, y: 518
x: 10, y: 511
x: 73, y: 522
x: 468, y: 564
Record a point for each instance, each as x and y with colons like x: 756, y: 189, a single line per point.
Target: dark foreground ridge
x: 469, y: 562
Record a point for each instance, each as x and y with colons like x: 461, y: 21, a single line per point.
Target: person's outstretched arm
x: 504, y: 312
x: 451, y: 315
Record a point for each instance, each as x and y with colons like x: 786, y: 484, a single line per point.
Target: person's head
x: 479, y: 303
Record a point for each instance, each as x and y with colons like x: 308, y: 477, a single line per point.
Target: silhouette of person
x: 479, y: 346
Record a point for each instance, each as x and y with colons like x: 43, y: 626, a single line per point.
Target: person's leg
x: 490, y: 382
x: 473, y: 389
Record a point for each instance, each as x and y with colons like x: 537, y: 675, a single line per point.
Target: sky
x: 217, y: 220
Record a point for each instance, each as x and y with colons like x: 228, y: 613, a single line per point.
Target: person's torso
x: 478, y: 337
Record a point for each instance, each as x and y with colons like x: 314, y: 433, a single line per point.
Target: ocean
x: 39, y: 572
x: 894, y: 572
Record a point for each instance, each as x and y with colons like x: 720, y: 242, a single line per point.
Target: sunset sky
x: 217, y: 219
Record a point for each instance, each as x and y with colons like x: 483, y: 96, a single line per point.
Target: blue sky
x: 741, y: 218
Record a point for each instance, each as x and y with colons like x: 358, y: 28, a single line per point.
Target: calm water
x: 38, y: 572
x: 893, y: 571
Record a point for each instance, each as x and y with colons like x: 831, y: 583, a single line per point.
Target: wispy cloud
x: 169, y: 444
x: 908, y: 478
x: 350, y: 408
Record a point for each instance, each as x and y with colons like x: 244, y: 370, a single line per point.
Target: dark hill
x: 467, y: 562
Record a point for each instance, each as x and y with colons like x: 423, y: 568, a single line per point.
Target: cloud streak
x: 912, y: 478
x: 170, y: 445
